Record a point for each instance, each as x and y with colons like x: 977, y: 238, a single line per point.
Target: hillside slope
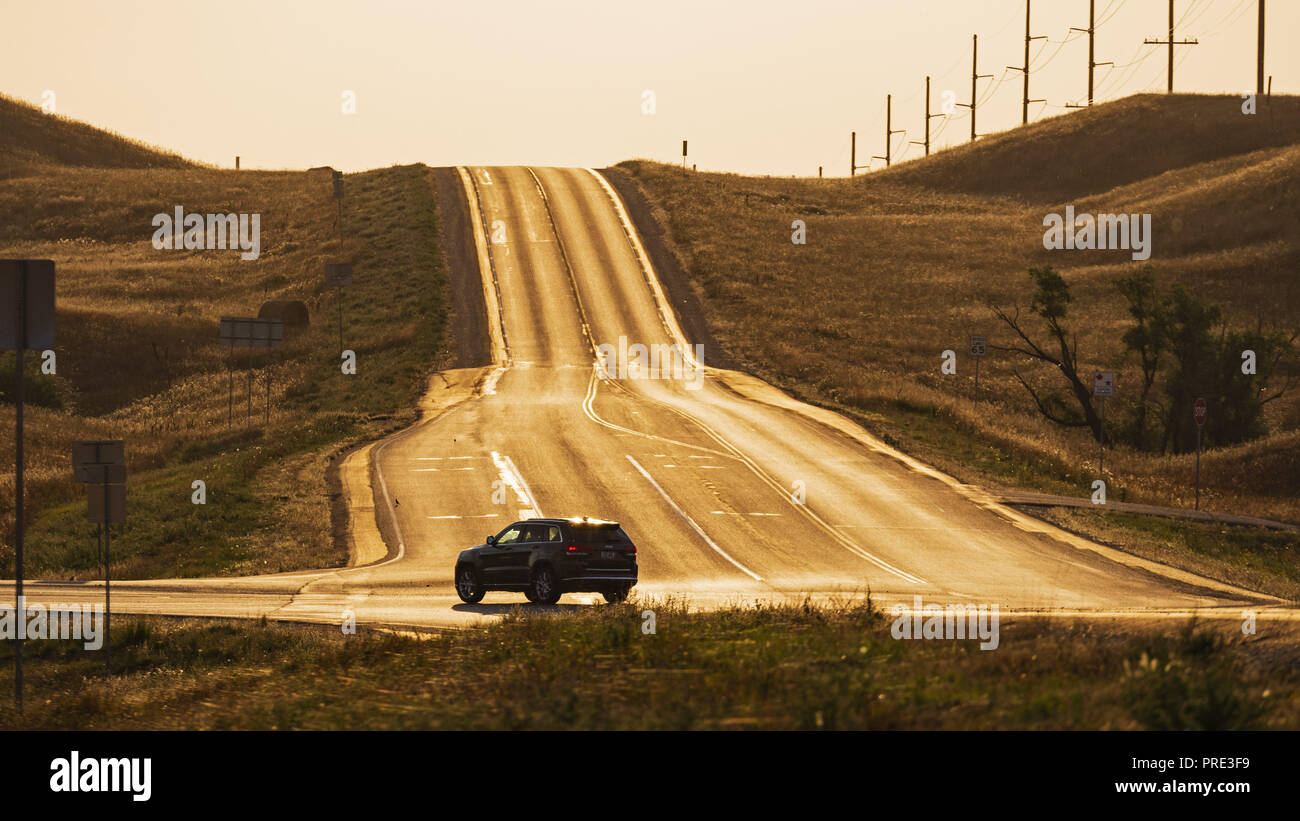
x: 29, y: 137
x: 139, y: 359
x: 900, y: 266
x: 1108, y: 145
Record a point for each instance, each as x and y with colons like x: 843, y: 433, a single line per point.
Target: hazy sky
x: 757, y: 86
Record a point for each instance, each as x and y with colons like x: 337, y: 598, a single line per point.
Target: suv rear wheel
x: 545, y: 587
x: 467, y: 585
x: 615, y: 595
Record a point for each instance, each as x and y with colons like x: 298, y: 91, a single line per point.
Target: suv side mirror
x: 491, y: 540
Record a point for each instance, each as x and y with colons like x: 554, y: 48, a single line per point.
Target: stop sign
x: 1199, y: 411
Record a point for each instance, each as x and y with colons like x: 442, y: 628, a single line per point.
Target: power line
x: 1116, y: 77
x: 1025, y: 101
x: 975, y: 77
x: 889, y: 132
x: 1171, y: 42
x: 1092, y: 42
x: 928, y: 117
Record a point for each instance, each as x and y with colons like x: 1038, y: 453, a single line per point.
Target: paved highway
x: 731, y: 490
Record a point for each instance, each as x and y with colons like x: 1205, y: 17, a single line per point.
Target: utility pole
x: 1024, y: 110
x: 1259, y: 64
x: 889, y: 129
x: 853, y: 154
x: 928, y: 118
x: 1092, y: 53
x: 1171, y: 42
x: 975, y: 77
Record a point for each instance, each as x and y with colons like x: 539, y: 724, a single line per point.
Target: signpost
x: 1103, y: 385
x: 1199, y: 414
x: 338, y: 198
x: 978, y: 345
x: 683, y: 155
x: 249, y: 332
x: 101, y: 467
x: 339, y: 275
x: 26, y: 321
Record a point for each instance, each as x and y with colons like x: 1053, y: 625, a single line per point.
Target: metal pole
x: 889, y: 125
x: 1092, y: 31
x: 1171, y: 46
x: 250, y: 388
x: 974, y: 75
x: 1198, y: 467
x: 340, y: 320
x: 230, y: 392
x: 19, y: 604
x: 927, y: 115
x: 1101, y: 441
x: 1259, y: 69
x: 268, y: 388
x: 977, y: 373
x: 108, y: 579
x: 853, y: 153
x: 1024, y: 115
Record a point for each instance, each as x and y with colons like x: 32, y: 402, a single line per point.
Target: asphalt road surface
x: 731, y: 490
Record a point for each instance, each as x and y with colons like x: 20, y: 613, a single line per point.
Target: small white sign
x: 1103, y: 384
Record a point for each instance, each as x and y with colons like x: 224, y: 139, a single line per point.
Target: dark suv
x: 546, y: 558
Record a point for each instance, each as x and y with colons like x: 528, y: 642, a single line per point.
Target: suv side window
x: 532, y: 533
x: 552, y: 533
x: 510, y: 535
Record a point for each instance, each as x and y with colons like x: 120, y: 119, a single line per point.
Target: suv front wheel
x: 467, y: 585
x: 545, y: 587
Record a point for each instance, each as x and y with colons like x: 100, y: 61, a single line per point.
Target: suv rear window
x: 598, y: 534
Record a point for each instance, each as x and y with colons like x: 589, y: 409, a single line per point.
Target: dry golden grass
x: 139, y: 357
x: 31, y: 137
x: 895, y: 271
x: 797, y: 666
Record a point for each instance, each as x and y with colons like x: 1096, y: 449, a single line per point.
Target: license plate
x: 608, y: 554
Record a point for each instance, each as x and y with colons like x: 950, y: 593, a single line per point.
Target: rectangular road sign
x: 110, y: 452
x: 338, y: 274
x: 39, y: 304
x: 116, y: 504
x: 977, y: 345
x: 91, y: 474
x: 1103, y: 383
x: 338, y: 186
x: 251, y: 332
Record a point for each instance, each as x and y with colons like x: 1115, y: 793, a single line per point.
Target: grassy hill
x: 903, y: 264
x: 31, y: 137
x: 138, y: 356
x: 1106, y: 146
